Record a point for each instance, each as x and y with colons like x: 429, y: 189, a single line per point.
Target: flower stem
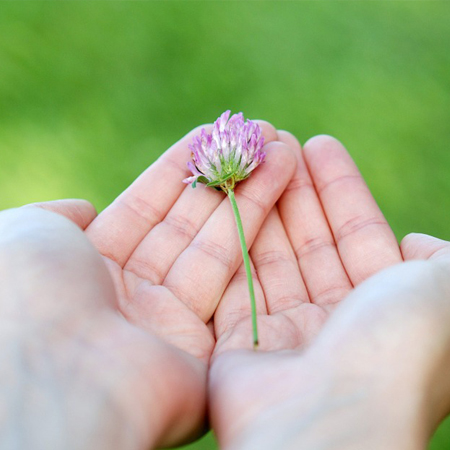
x: 248, y: 270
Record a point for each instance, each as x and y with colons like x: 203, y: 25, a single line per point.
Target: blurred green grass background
x: 92, y: 92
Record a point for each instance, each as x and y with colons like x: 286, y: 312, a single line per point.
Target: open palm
x: 325, y: 236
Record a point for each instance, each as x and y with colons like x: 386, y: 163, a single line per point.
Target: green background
x: 92, y: 92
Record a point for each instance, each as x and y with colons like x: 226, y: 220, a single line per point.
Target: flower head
x: 228, y: 155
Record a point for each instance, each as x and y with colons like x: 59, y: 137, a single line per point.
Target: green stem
x: 248, y: 270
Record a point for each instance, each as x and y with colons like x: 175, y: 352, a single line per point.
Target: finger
x: 268, y: 131
x: 235, y: 305
x: 80, y: 212
x: 122, y: 226
x: 310, y: 236
x: 422, y: 246
x: 155, y: 255
x: 201, y: 273
x: 277, y: 266
x: 365, y: 241
x: 119, y: 228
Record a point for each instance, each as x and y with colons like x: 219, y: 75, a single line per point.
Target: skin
x: 114, y: 311
x: 353, y: 328
x: 108, y: 327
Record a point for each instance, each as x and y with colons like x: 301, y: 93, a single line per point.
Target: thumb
x: 422, y: 246
x: 81, y: 212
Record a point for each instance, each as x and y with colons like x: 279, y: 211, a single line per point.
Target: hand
x: 135, y: 338
x: 172, y: 250
x: 327, y: 241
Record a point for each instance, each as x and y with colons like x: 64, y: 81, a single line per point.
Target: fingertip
x: 327, y: 159
x: 268, y: 130
x: 79, y: 211
x: 289, y: 139
x: 85, y: 205
x: 407, y: 244
x: 421, y: 246
x: 322, y: 141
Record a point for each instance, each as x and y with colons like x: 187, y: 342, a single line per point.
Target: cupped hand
x: 171, y: 251
x: 327, y: 243
x: 325, y: 236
